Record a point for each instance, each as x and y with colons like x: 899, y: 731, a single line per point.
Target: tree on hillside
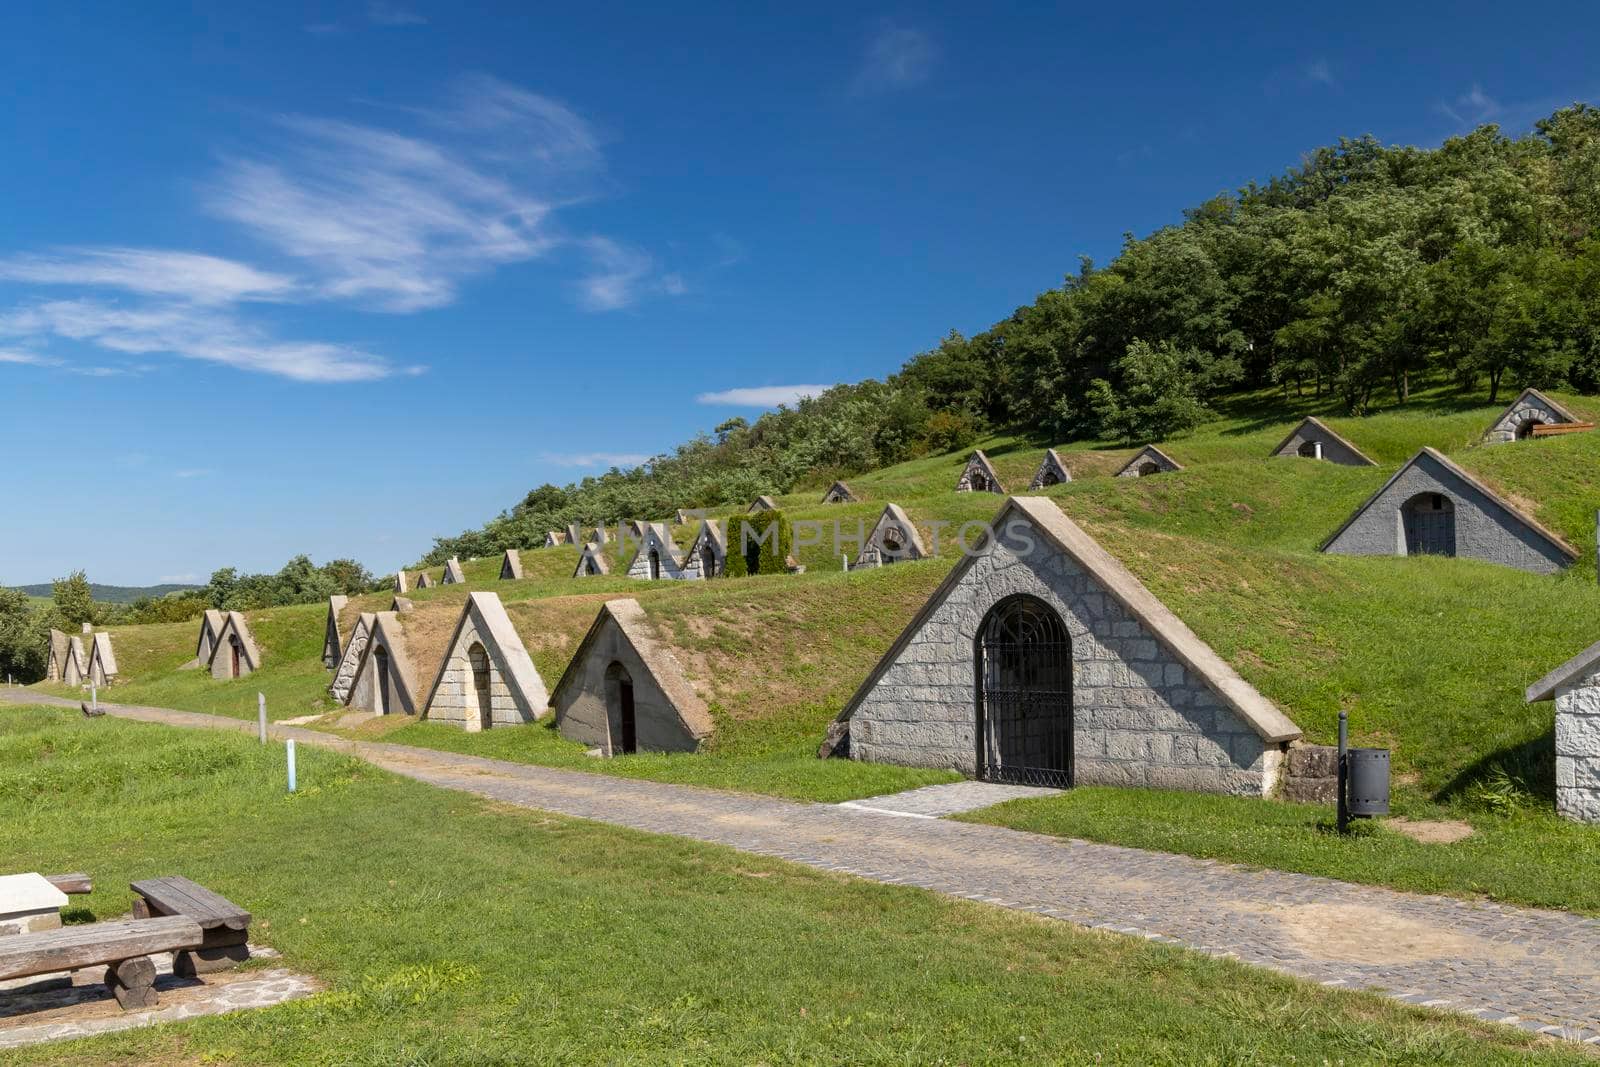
x: 1365, y: 271
x: 73, y: 600
x: 1162, y: 392
x: 24, y: 637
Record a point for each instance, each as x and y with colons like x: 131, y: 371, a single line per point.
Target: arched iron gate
x: 1024, y: 691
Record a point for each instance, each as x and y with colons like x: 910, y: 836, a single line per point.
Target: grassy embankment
x: 1430, y: 656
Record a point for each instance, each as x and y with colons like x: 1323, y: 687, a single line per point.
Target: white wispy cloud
x: 380, y: 13
x: 897, y: 57
x: 594, y: 460
x: 154, y: 272
x: 178, y: 579
x: 390, y: 219
x: 1472, y: 107
x: 730, y: 251
x: 1319, y: 72
x: 616, y: 273
x: 32, y: 359
x: 192, y: 472
x: 763, y: 396
x: 193, y: 333
x: 400, y: 219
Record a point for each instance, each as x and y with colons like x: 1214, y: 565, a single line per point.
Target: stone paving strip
x: 951, y: 798
x: 61, y: 1007
x: 1522, y: 966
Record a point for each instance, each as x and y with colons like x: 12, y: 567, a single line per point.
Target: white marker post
x: 291, y: 765
x: 94, y: 698
x: 261, y: 717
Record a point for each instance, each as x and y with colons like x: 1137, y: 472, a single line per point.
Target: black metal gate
x: 1024, y: 683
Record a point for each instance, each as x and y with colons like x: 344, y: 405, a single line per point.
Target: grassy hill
x: 1430, y: 656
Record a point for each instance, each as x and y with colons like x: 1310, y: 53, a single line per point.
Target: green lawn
x: 1526, y: 857
x: 453, y: 930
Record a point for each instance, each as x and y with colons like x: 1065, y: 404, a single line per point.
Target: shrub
x: 758, y: 544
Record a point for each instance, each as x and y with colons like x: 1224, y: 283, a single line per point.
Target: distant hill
x: 113, y: 594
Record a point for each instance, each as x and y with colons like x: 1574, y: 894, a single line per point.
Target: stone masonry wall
x: 639, y: 566
x: 1485, y: 529
x: 975, y: 469
x: 456, y: 700
x: 1311, y: 774
x: 1140, y: 717
x: 1505, y: 428
x: 346, y: 675
x: 586, y: 710
x: 1578, y: 750
x: 692, y: 564
x: 1333, y: 450
x: 1135, y: 466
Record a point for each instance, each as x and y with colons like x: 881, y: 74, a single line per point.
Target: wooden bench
x: 71, y: 884
x: 125, y: 946
x: 226, y: 925
x: 1556, y: 429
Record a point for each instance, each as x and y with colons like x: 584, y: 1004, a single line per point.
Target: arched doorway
x: 1050, y: 478
x: 1526, y: 426
x: 655, y: 565
x: 619, y: 692
x: 380, y: 657
x: 1430, y: 525
x: 1023, y: 657
x: 1311, y: 450
x: 235, y: 650
x: 1149, y: 467
x: 893, y: 546
x: 708, y: 560
x: 979, y: 482
x: 479, y: 659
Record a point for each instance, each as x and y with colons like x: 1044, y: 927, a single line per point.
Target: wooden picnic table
x: 225, y: 925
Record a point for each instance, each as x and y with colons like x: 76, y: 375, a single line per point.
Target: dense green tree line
x: 1354, y: 276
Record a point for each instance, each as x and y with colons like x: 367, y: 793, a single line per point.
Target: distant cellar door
x: 1023, y: 660
x: 381, y: 657
x: 233, y: 648
x: 1430, y: 525
x: 708, y: 561
x: 629, y: 720
x: 479, y: 659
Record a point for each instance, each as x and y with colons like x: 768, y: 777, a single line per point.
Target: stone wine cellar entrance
x: 1023, y: 657
x: 1041, y: 660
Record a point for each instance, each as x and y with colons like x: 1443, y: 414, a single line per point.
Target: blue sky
x: 336, y: 278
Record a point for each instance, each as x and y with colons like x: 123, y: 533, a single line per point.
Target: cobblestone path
x: 1536, y: 969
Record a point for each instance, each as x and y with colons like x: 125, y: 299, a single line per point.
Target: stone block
x: 1192, y: 779
x: 1566, y: 772
x: 1577, y: 735
x: 1108, y: 772
x: 1313, y: 761
x: 1311, y: 790
x: 1582, y: 805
